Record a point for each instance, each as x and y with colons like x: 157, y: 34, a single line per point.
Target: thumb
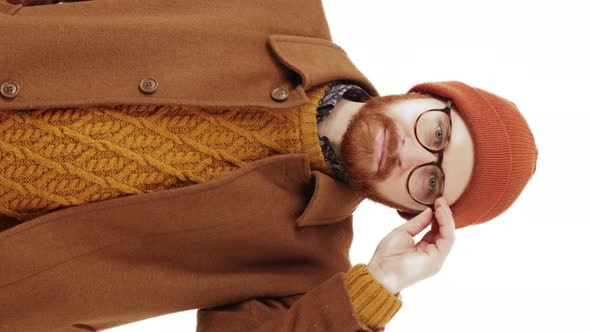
x: 418, y: 223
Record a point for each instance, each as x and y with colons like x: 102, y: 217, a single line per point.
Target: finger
x: 433, y: 232
x: 418, y: 223
x: 426, y: 240
x: 430, y: 237
x: 422, y: 245
x: 446, y: 234
x: 446, y: 223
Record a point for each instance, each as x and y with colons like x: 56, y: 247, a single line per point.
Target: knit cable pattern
x: 60, y: 157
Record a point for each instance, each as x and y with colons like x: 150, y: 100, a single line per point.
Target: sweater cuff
x: 373, y: 303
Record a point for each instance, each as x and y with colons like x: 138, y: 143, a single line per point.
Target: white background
x: 528, y: 269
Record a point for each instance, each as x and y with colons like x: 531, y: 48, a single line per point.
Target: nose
x: 412, y: 154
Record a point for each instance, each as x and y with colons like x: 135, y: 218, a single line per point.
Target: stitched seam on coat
x: 320, y: 42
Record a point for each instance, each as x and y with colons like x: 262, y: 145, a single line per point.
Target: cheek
x: 404, y: 122
x: 394, y: 188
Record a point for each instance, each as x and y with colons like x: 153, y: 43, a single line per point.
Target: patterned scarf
x: 331, y: 96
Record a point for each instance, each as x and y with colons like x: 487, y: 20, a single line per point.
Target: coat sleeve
x: 346, y: 302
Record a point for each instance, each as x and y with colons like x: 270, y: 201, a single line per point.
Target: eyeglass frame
x: 439, y: 153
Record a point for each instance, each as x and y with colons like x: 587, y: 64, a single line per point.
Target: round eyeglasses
x: 433, y: 131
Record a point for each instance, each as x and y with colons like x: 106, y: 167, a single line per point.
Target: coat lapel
x: 332, y: 201
x: 317, y: 61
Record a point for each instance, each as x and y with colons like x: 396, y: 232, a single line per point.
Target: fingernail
x: 444, y: 201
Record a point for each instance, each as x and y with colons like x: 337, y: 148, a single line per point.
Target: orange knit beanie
x: 505, y: 152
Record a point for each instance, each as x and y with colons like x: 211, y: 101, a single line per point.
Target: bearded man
x: 160, y: 156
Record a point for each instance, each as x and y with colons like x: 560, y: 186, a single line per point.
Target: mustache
x: 358, y: 146
x: 393, y: 141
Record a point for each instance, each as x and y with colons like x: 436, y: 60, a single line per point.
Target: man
x: 163, y: 156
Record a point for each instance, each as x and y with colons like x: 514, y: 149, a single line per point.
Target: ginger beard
x: 358, y: 148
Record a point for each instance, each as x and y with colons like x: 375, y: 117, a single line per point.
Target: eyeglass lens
x: 433, y: 130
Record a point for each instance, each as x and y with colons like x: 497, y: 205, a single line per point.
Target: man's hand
x: 397, y: 263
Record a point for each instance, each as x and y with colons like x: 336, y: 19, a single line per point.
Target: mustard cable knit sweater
x: 56, y: 158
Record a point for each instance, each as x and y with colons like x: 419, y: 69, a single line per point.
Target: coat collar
x: 317, y: 61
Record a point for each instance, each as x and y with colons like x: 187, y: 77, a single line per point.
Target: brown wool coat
x: 263, y: 248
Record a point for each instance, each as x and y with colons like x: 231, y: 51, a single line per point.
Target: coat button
x: 148, y: 85
x: 279, y: 94
x: 9, y: 89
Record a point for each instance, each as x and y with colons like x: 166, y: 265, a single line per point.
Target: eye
x: 426, y: 183
x: 438, y: 134
x: 432, y: 183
